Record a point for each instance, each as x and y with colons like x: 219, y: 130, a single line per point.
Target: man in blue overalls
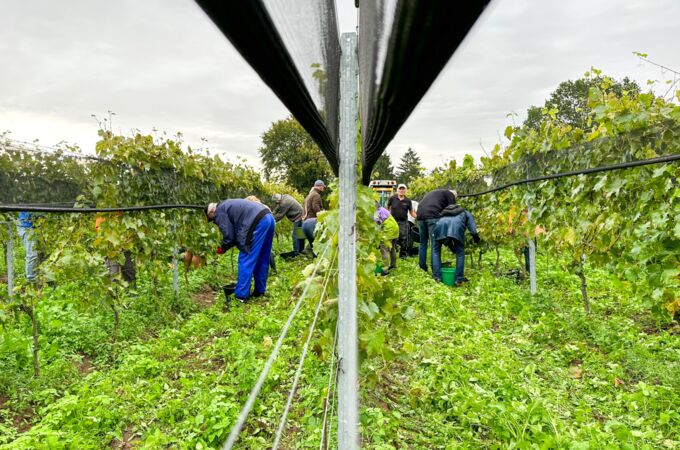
x: 250, y: 227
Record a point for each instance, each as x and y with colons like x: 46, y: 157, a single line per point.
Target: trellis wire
x: 303, y: 356
x: 591, y: 170
x: 325, y: 437
x: 238, y: 426
x: 334, y: 399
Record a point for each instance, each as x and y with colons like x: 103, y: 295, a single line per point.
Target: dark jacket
x: 432, y: 205
x: 455, y: 226
x: 237, y: 220
x: 288, y: 207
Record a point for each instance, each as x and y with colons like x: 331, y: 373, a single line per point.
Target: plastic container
x: 449, y: 276
x: 378, y: 269
x: 228, y: 290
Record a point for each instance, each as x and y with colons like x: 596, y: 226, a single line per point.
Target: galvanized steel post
x: 348, y: 384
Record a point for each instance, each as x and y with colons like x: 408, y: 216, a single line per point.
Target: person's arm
x: 450, y: 198
x: 411, y: 211
x: 279, y: 212
x: 228, y: 235
x: 317, y: 204
x: 472, y: 227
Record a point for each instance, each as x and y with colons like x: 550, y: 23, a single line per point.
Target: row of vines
x: 628, y: 220
x: 140, y: 170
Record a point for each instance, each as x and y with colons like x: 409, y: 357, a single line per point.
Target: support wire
x: 238, y: 426
x: 331, y: 378
x: 282, y: 423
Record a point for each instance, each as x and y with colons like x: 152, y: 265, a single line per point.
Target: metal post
x: 348, y: 384
x: 175, y: 275
x: 532, y: 266
x: 532, y: 256
x: 10, y: 261
x: 532, y: 247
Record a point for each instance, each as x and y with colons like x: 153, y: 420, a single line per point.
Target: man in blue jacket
x: 450, y: 231
x: 250, y: 227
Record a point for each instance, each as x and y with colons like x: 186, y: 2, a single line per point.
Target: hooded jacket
x: 455, y: 226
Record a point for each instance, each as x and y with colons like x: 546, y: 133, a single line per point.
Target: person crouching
x: 250, y: 227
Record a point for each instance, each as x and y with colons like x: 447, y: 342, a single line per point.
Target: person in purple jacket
x: 249, y: 226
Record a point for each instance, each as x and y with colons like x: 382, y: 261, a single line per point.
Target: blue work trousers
x: 458, y: 248
x: 427, y: 228
x: 308, y: 226
x: 255, y: 262
x: 298, y: 244
x: 27, y: 236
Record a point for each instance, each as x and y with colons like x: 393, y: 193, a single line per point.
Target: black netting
x: 293, y: 45
x: 403, y: 45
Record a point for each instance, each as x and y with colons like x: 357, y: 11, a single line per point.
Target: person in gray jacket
x: 450, y: 231
x: 287, y: 206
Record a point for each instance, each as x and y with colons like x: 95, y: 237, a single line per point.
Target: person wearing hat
x: 401, y: 207
x: 313, y: 206
x: 287, y: 206
x: 249, y: 226
x: 429, y: 211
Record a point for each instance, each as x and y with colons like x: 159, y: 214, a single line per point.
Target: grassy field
x: 482, y: 366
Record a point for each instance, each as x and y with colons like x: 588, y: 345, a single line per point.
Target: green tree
x: 570, y: 101
x: 410, y: 167
x: 383, y: 169
x: 290, y: 155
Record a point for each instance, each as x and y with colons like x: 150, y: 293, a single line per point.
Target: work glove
x: 475, y: 237
x: 220, y: 250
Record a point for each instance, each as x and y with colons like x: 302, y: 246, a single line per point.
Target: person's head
x: 210, y: 211
x: 276, y: 198
x: 401, y: 189
x: 319, y: 185
x: 455, y: 194
x: 252, y: 198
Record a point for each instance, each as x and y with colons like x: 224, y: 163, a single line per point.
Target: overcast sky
x: 162, y: 64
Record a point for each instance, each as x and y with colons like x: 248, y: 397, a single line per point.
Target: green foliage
x: 568, y: 104
x: 383, y: 169
x: 410, y: 167
x: 290, y: 155
x: 624, y: 219
x: 379, y: 310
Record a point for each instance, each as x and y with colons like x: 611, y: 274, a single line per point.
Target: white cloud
x: 163, y: 64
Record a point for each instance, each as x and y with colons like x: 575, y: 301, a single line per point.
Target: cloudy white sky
x: 162, y: 64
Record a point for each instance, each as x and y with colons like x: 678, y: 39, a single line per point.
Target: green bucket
x: 449, y: 276
x: 378, y: 268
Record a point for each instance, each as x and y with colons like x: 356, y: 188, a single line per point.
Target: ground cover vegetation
x: 590, y: 361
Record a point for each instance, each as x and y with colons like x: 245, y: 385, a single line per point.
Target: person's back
x: 454, y: 226
x: 236, y: 219
x: 313, y: 204
x: 431, y: 206
x: 287, y: 206
x: 25, y: 219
